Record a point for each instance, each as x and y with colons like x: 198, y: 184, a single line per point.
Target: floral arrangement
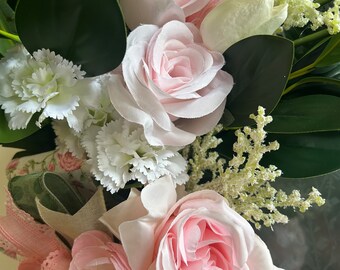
x: 164, y: 134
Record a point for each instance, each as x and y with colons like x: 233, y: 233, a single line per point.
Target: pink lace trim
x: 21, y: 235
x: 57, y: 260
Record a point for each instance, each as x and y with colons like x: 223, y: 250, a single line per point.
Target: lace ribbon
x: 21, y: 236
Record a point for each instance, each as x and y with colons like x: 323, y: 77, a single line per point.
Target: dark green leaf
x: 305, y: 155
x: 8, y: 136
x: 332, y: 71
x: 91, y: 34
x: 331, y: 54
x: 310, y: 57
x: 53, y: 191
x: 227, y: 118
x: 321, y: 84
x: 39, y: 142
x: 306, y: 114
x: 260, y: 66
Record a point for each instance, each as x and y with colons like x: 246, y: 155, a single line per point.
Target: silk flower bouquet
x: 143, y: 134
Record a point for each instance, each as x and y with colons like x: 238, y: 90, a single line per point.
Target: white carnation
x: 67, y: 139
x: 45, y: 83
x: 118, y: 152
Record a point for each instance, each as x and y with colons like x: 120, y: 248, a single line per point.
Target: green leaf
x: 227, y: 118
x: 310, y: 113
x: 53, y: 191
x: 331, y: 54
x: 8, y: 136
x: 39, y: 142
x: 315, y: 82
x: 260, y: 66
x: 332, y: 71
x: 306, y: 154
x: 91, y: 34
x: 7, y: 21
x: 5, y: 44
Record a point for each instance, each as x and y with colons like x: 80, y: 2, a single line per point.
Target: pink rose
x: 175, y: 87
x: 68, y: 162
x: 199, y: 231
x: 95, y: 250
x: 162, y: 11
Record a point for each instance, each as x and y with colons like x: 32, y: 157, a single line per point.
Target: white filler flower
x: 119, y: 152
x: 45, y: 83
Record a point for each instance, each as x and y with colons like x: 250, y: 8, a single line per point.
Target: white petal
x: 260, y: 258
x: 232, y: 21
x: 158, y: 206
x: 19, y: 120
x: 279, y: 15
x: 60, y: 106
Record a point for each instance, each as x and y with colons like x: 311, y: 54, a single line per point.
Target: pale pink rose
x: 175, y: 87
x: 94, y: 250
x: 199, y: 231
x: 68, y: 162
x: 162, y: 11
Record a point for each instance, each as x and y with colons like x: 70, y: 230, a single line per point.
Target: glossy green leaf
x: 89, y: 33
x: 8, y: 136
x: 53, y: 191
x: 331, y: 54
x: 311, y: 56
x: 322, y: 84
x: 7, y: 22
x: 41, y: 141
x: 260, y: 66
x: 310, y: 113
x: 305, y: 155
x: 332, y: 71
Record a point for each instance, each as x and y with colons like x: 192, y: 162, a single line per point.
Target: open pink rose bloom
x: 173, y: 85
x: 199, y: 231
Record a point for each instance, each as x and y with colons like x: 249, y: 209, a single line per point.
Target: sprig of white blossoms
x: 301, y: 12
x: 45, y: 83
x: 118, y: 152
x: 243, y: 181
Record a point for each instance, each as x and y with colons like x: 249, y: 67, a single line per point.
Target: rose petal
x: 155, y: 135
x: 150, y: 12
x: 212, y: 97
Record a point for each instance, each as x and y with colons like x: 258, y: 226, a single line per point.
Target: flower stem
x: 10, y: 36
x: 311, y: 37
